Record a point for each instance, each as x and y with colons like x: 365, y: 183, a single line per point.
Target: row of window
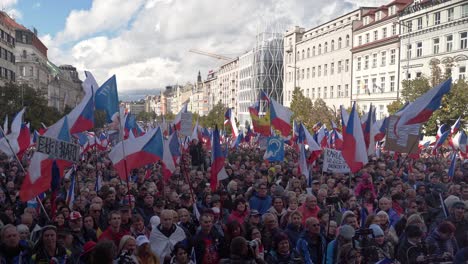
x: 7, y: 74
x: 383, y: 60
x: 7, y: 37
x: 437, y: 18
x: 375, y: 35
x: 304, y: 54
x: 362, y: 86
x: 436, y: 45
x: 340, y: 92
x: 306, y: 73
x: 7, y: 55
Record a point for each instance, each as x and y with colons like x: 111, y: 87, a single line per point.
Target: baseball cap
x: 254, y: 212
x: 141, y: 240
x: 75, y: 215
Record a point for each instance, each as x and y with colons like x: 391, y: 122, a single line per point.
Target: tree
x: 214, y: 117
x: 146, y: 116
x: 13, y: 97
x: 394, y: 107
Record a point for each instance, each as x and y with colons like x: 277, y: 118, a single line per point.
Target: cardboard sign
x: 186, y: 124
x: 405, y: 139
x: 333, y: 161
x: 58, y: 149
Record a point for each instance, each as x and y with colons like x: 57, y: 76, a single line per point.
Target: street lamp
x: 296, y: 69
x: 407, y: 53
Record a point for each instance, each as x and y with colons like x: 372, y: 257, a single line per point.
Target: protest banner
x: 58, y: 149
x: 403, y: 140
x: 333, y: 161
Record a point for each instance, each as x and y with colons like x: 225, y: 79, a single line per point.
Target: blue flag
x: 107, y: 99
x: 274, y: 150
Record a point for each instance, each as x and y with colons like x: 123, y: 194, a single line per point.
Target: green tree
x: 214, y: 117
x: 13, y: 97
x: 146, y: 116
x: 394, y: 107
x: 301, y: 107
x: 412, y: 89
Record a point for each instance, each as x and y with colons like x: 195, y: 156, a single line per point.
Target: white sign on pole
x: 58, y: 149
x: 333, y: 161
x: 186, y: 124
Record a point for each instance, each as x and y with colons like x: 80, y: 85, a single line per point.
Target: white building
x: 434, y: 31
x: 318, y: 60
x: 246, y: 93
x: 227, y: 84
x: 376, y: 52
x: 7, y: 47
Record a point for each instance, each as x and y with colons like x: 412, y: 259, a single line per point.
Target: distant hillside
x: 135, y: 95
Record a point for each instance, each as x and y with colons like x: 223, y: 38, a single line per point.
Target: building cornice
x: 376, y: 44
x: 441, y: 26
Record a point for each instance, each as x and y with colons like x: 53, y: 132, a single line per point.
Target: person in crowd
x: 127, y: 247
x: 208, y: 243
x: 312, y: 244
x: 47, y: 249
x: 103, y: 252
x: 12, y: 249
x: 458, y: 219
x: 113, y: 232
x: 241, y: 253
x: 309, y: 208
x: 410, y: 249
x: 165, y: 235
x: 346, y: 234
x: 294, y: 228
x: 240, y: 211
x: 144, y: 253
x: 441, y: 241
x: 260, y: 200
x: 181, y: 255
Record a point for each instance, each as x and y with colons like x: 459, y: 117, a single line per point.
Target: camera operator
x: 410, y: 249
x: 242, y: 253
x: 383, y: 247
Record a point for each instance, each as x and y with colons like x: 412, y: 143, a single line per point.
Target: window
x: 449, y: 43
x: 366, y: 86
x: 420, y: 23
x: 358, y: 64
x: 303, y: 54
x: 435, y: 45
x: 339, y: 67
x: 464, y: 11
x: 463, y: 40
x: 319, y: 71
x: 409, y: 26
x: 358, y: 87
x: 22, y: 71
x: 302, y: 74
x: 366, y: 62
x: 332, y: 68
x: 346, y: 90
x: 325, y: 67
x: 339, y: 43
x: 359, y: 40
x: 374, y: 60
x: 384, y: 32
x: 332, y: 48
x: 308, y: 73
x: 382, y: 84
x: 347, y: 66
x: 392, y: 83
x: 408, y: 51
x: 325, y: 92
x: 23, y: 38
x: 31, y: 71
x: 347, y: 40
x: 376, y: 35
x: 298, y: 56
x: 393, y: 29
x: 319, y: 49
x: 313, y: 72
x: 436, y: 18
x: 374, y: 85
x: 298, y: 75
x: 339, y: 93
x: 318, y: 92
x: 308, y: 52
x: 325, y: 47
x: 313, y: 93
x: 450, y: 13
x: 307, y: 93
x: 383, y: 54
x: 461, y: 72
x: 418, y: 75
x: 367, y: 38
x: 392, y: 56
x: 331, y: 92
x: 418, y: 49
x: 313, y: 51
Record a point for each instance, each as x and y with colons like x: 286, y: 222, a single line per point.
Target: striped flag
x: 453, y: 164
x: 71, y: 190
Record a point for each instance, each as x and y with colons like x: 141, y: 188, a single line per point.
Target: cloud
x: 149, y: 40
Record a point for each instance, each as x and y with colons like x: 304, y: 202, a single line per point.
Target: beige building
x: 319, y: 60
x: 64, y: 87
x: 225, y: 90
x: 7, y: 49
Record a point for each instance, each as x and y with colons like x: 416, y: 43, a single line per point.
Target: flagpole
x: 22, y: 168
x: 121, y: 135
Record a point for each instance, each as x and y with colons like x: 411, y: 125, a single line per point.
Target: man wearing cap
x: 165, y: 235
x: 80, y: 234
x: 457, y: 218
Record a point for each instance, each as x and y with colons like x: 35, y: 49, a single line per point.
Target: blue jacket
x: 23, y: 257
x: 307, y: 250
x: 261, y: 204
x: 293, y: 233
x: 330, y: 258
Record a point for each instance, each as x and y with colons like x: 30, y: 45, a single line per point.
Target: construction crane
x: 216, y: 56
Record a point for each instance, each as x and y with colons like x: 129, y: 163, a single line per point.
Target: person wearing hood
x: 384, y: 248
x: 260, y: 200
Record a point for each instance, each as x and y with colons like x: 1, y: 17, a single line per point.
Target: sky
x: 146, y: 43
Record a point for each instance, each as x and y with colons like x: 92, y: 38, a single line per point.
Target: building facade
x: 319, y: 60
x: 434, y: 32
x: 227, y: 83
x: 246, y: 93
x: 64, y: 87
x: 7, y: 50
x: 376, y: 52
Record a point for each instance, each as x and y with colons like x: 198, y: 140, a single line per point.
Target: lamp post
x: 407, y: 53
x: 296, y: 69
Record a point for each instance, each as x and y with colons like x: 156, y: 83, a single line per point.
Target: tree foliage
x: 310, y: 113
x: 394, y: 107
x: 146, y: 116
x: 13, y: 97
x: 214, y: 117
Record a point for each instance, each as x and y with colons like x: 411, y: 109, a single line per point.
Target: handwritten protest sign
x: 333, y: 161
x: 58, y: 149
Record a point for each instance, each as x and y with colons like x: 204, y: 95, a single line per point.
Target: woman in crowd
x: 47, y: 250
x: 282, y: 252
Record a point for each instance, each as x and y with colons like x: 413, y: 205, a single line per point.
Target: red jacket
x: 114, y: 237
x: 235, y: 215
x: 306, y: 212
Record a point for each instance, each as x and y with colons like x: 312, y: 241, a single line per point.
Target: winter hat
x: 377, y: 230
x: 347, y: 232
x: 450, y: 200
x: 155, y: 221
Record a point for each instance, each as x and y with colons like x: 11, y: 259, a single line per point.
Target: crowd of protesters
x: 395, y: 208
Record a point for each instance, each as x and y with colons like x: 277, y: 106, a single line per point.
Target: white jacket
x: 161, y: 245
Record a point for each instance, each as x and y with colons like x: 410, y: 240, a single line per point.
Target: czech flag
x: 422, y: 108
x: 344, y: 117
x: 455, y: 127
x: 14, y: 143
x: 303, y: 167
x: 280, y: 117
x: 322, y: 136
x: 453, y: 163
x: 380, y: 128
x: 178, y: 117
x: 137, y: 152
x: 355, y: 152
x: 167, y: 161
x: 306, y: 138
x: 441, y: 138
x: 107, y: 99
x: 218, y: 173
x: 82, y: 116
x: 460, y: 143
x: 260, y: 125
